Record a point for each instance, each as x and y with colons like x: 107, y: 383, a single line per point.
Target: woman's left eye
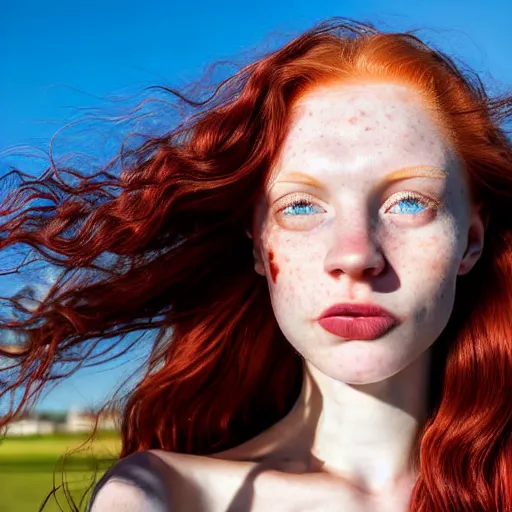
x: 409, y: 203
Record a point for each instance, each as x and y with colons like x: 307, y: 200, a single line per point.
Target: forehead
x: 378, y: 100
x: 384, y: 126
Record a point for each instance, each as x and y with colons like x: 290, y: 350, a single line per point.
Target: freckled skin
x: 353, y: 250
x: 274, y: 269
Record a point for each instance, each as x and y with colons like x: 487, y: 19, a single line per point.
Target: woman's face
x: 369, y: 205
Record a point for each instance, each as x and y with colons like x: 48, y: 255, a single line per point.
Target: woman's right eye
x: 299, y: 212
x: 301, y: 207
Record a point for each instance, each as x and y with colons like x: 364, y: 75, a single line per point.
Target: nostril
x: 336, y: 272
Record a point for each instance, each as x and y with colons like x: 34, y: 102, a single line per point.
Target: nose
x: 354, y: 251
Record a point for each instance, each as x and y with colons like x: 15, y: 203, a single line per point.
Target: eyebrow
x: 299, y: 177
x: 416, y: 171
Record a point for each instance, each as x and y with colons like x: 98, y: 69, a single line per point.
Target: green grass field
x: 30, y: 465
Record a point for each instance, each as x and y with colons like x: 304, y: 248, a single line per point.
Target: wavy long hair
x: 173, y: 222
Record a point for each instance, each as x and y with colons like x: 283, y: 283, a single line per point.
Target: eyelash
x: 296, y: 202
x: 392, y: 201
x: 406, y: 195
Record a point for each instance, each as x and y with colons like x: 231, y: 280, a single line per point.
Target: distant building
x: 78, y: 421
x: 30, y: 426
x: 75, y: 422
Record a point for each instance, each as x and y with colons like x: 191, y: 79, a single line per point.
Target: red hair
x: 173, y: 224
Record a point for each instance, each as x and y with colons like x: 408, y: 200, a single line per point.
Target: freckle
x: 353, y: 120
x: 310, y: 114
x: 362, y: 112
x: 274, y: 269
x: 367, y: 129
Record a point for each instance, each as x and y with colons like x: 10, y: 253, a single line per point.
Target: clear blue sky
x: 56, y: 54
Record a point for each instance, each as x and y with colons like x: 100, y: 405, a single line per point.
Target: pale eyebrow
x: 416, y: 171
x: 299, y: 177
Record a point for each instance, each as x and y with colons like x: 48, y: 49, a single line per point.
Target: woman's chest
x: 256, y: 488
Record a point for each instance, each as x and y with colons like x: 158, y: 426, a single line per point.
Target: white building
x: 30, y: 426
x: 77, y: 421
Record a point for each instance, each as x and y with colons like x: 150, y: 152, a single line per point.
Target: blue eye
x: 299, y: 208
x: 411, y: 206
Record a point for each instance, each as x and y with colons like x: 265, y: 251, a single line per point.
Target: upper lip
x: 352, y: 309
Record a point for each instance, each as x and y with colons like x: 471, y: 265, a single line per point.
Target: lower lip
x: 358, y: 327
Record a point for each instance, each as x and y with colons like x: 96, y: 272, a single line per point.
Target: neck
x: 364, y: 434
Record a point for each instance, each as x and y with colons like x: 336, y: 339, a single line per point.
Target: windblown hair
x: 173, y: 226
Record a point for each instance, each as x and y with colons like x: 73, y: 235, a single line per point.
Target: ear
x: 259, y: 267
x: 478, y: 223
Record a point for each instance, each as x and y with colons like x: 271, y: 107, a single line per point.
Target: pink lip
x: 357, y: 321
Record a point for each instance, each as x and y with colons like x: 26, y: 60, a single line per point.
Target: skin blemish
x: 274, y: 269
x: 367, y: 129
x: 352, y: 120
x: 389, y: 116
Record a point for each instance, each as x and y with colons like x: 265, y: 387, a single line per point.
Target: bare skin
x: 351, y: 154
x: 276, y: 471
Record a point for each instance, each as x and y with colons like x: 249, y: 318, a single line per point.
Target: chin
x: 358, y: 370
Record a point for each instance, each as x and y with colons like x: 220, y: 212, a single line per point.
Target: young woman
x: 330, y: 240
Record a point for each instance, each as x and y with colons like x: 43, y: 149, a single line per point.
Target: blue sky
x: 55, y: 55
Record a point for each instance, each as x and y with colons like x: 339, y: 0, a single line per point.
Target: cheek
x: 294, y: 273
x: 436, y: 254
x: 273, y: 266
x: 429, y: 268
x: 282, y: 268
x: 433, y: 250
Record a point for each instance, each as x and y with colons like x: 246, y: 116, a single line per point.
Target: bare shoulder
x: 161, y: 481
x: 118, y: 496
x: 156, y: 481
x: 137, y: 483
